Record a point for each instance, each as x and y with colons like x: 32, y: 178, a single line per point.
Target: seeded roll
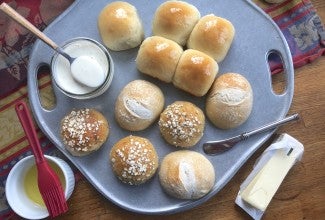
x: 134, y: 160
x: 182, y: 124
x: 84, y: 131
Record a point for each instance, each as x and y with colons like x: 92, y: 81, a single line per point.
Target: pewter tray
x: 256, y: 37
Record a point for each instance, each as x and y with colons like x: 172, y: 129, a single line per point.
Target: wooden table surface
x: 301, y: 195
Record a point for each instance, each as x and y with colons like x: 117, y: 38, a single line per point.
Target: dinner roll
x: 120, y: 26
x: 158, y: 57
x: 134, y: 160
x: 138, y: 105
x: 84, y: 131
x: 186, y: 174
x: 230, y: 101
x: 195, y: 72
x: 175, y: 20
x: 212, y: 35
x: 182, y: 124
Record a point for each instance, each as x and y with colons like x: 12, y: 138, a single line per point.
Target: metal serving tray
x: 256, y: 37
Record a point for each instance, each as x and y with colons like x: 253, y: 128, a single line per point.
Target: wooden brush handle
x: 28, y: 126
x: 25, y: 23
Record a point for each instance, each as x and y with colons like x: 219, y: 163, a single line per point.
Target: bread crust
x: 134, y: 160
x: 195, y: 72
x: 230, y: 101
x: 120, y: 26
x: 84, y: 131
x: 186, y: 174
x: 182, y: 124
x: 175, y: 20
x: 212, y: 35
x: 158, y: 57
x: 138, y: 105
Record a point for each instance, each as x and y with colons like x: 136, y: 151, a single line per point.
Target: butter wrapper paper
x: 253, y: 197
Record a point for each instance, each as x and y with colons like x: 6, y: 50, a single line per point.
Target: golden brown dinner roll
x: 195, y: 72
x: 182, y: 124
x: 212, y: 35
x: 186, y: 174
x: 84, y: 131
x: 138, y: 105
x: 158, y: 57
x: 175, y: 20
x: 134, y: 160
x: 120, y: 26
x: 230, y: 101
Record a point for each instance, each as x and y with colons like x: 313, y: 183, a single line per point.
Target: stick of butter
x: 264, y: 185
x: 269, y: 172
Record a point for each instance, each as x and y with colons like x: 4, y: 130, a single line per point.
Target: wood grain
x: 302, y: 194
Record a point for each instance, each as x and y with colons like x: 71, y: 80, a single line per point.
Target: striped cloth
x: 302, y: 29
x: 296, y: 18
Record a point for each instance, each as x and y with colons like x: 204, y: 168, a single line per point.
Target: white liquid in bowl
x: 61, y: 68
x: 87, y: 71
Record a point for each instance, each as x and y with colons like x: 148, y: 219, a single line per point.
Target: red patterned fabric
x: 302, y: 28
x: 16, y: 42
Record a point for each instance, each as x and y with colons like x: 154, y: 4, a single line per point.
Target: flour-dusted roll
x: 120, y: 26
x: 175, y: 20
x: 230, y: 100
x: 84, y: 131
x: 138, y: 105
x: 158, y: 57
x: 182, y: 124
x: 195, y: 72
x: 186, y: 174
x: 212, y: 35
x: 134, y: 160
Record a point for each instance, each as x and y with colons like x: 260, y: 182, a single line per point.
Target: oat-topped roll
x: 182, y: 124
x: 84, y: 131
x: 134, y: 160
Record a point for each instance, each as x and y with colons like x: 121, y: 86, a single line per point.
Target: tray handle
x: 34, y: 91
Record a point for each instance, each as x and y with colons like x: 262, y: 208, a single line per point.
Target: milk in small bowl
x: 61, y: 69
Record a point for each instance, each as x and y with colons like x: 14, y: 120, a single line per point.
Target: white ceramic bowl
x: 61, y: 69
x: 16, y: 195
